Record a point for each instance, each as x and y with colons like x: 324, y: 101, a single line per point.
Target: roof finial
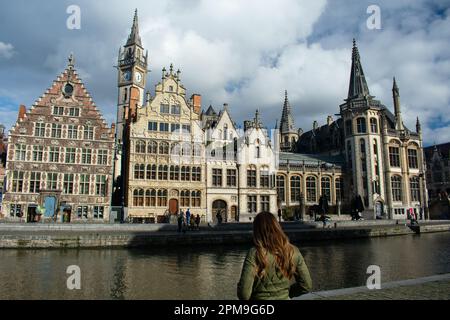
x: 171, y: 68
x: 71, y: 60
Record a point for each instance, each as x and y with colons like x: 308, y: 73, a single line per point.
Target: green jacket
x: 273, y: 286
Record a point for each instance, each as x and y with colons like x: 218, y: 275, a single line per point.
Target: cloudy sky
x: 241, y: 52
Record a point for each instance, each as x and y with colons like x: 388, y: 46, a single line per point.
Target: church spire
x: 134, y: 37
x: 358, y: 85
x: 287, y: 121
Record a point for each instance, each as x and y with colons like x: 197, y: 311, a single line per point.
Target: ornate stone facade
x: 60, y: 156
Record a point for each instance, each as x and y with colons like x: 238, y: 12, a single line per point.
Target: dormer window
x: 74, y: 112
x: 58, y: 111
x: 171, y: 88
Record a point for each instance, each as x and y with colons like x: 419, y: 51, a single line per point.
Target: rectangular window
x: 88, y: 133
x: 72, y: 132
x: 38, y: 152
x: 71, y: 155
x: 21, y: 152
x: 217, y: 178
x: 176, y: 109
x: 68, y: 184
x: 164, y: 108
x: 394, y: 157
x: 186, y: 128
x: 100, y: 185
x: 35, y: 181
x: 58, y: 111
x: 264, y: 180
x: 412, y: 159
x: 265, y: 203
x: 74, y: 112
x: 82, y: 212
x: 102, y: 158
x: 15, y: 210
x: 53, y: 154
x: 39, y: 130
x: 152, y: 126
x: 99, y: 212
x: 52, y: 181
x: 164, y: 127
x: 56, y: 130
x: 251, y: 204
x: 174, y: 127
x: 84, y: 184
x: 17, y: 181
x: 86, y: 156
x: 251, y: 178
x: 231, y: 178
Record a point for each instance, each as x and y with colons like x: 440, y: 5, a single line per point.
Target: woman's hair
x: 269, y: 237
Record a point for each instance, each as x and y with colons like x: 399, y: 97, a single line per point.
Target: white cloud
x: 6, y: 50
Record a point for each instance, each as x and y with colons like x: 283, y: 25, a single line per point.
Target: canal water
x: 210, y: 272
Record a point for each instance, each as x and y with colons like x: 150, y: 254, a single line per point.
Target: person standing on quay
x: 271, y: 265
x: 188, y: 217
x: 180, y: 221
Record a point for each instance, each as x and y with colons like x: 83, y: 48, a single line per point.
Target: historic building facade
x: 438, y: 170
x: 60, y: 156
x: 383, y: 160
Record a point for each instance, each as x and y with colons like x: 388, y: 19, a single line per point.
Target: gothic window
x: 140, y: 147
x: 258, y: 152
x: 197, y: 174
x: 185, y: 198
x: 138, y: 198
x: 361, y: 125
x: 162, y: 198
x: 373, y: 125
x: 188, y: 173
x: 311, y: 189
x: 152, y: 199
x: 415, y: 188
x: 163, y: 173
x: 394, y: 156
x: 196, y: 199
x: 281, y: 188
x: 152, y: 147
x: 412, y: 159
x: 139, y: 171
x: 151, y: 172
x: 396, y: 182
x: 174, y: 173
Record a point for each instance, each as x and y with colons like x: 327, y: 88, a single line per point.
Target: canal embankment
x: 435, y: 287
x: 57, y: 236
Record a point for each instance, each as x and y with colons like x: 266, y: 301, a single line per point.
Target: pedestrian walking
x: 197, y: 221
x: 192, y: 224
x: 188, y: 216
x: 272, y: 264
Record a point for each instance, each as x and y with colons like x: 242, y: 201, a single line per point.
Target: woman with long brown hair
x: 272, y: 265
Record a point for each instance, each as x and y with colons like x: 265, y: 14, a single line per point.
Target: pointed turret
x: 398, y: 113
x: 287, y: 121
x: 418, y: 126
x: 358, y: 84
x: 134, y: 37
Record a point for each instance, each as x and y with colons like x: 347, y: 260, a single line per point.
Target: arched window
x: 153, y: 198
x: 148, y: 196
x: 311, y: 189
x: 151, y: 172
x: 196, y: 199
x: 251, y: 177
x: 188, y: 173
x: 139, y: 172
x: 186, y: 149
x: 361, y: 125
x: 162, y: 198
x: 281, y: 188
x: 135, y: 198
x: 396, y: 182
x: 326, y: 188
x: 164, y: 148
x: 373, y: 125
x: 185, y: 198
x: 197, y: 174
x: 138, y: 198
x: 163, y: 173
x: 295, y: 188
x: 415, y: 189
x: 152, y: 147
x: 175, y: 150
x: 140, y: 147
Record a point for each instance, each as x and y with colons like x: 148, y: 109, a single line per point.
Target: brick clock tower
x: 132, y: 77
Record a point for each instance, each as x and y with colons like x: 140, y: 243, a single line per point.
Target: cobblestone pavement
x: 438, y: 290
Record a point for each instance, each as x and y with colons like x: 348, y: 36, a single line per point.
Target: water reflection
x: 209, y: 272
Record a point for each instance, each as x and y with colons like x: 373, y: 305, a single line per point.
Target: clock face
x: 126, y: 75
x: 138, y: 77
